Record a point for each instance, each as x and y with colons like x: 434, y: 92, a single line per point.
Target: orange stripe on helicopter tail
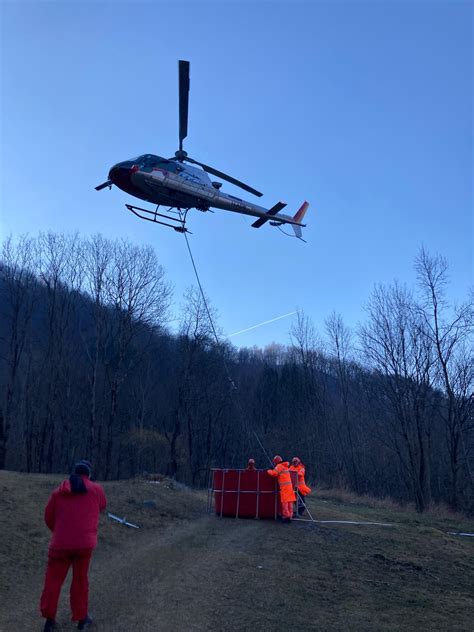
x: 300, y: 213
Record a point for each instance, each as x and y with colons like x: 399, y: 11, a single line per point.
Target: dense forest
x: 90, y: 368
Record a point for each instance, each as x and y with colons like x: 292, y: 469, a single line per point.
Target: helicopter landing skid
x: 153, y: 215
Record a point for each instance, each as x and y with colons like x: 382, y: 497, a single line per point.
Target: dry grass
x: 187, y: 571
x: 347, y: 496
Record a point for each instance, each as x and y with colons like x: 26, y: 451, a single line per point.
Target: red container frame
x: 245, y: 493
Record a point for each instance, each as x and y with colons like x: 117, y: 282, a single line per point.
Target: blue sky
x: 363, y: 109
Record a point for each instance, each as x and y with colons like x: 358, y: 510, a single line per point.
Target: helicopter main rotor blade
x: 183, y: 101
x: 103, y: 185
x: 224, y: 176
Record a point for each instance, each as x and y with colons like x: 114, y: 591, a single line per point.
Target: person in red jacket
x: 72, y: 514
x: 287, y: 493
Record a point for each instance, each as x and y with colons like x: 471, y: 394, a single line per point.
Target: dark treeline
x: 89, y: 369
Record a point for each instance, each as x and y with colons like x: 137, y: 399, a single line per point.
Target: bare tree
x: 138, y: 296
x: 449, y: 330
x: 307, y: 349
x: 97, y: 253
x: 196, y: 336
x: 340, y: 348
x: 17, y: 299
x: 394, y: 344
x: 60, y: 274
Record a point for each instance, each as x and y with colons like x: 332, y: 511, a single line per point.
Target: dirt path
x: 204, y: 575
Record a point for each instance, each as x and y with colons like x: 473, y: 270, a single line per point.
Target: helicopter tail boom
x: 294, y: 221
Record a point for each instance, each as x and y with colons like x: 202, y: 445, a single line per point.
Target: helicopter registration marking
x: 237, y: 204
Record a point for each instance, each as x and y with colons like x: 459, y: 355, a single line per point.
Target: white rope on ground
x: 469, y: 535
x: 378, y: 524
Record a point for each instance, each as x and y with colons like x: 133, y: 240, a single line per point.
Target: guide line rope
x: 208, y: 311
x: 200, y: 286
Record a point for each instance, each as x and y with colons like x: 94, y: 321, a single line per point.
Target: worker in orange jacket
x: 287, y: 493
x: 303, y: 489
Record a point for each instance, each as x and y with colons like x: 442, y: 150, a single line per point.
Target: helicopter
x: 176, y: 183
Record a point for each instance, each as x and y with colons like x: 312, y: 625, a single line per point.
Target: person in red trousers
x: 72, y: 514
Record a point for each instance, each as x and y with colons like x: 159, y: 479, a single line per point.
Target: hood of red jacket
x: 65, y: 488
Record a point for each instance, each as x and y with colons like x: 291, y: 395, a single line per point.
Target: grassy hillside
x: 184, y: 570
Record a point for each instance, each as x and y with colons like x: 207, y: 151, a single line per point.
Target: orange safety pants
x: 287, y: 510
x: 59, y: 561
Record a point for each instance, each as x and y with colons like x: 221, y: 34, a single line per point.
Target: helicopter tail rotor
x: 298, y: 217
x: 301, y: 212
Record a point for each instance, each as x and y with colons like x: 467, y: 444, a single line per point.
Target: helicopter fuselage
x: 175, y: 184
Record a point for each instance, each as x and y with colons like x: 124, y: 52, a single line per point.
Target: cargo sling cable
x: 229, y: 377
x: 234, y: 388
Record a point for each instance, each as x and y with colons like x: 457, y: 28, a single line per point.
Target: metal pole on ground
x: 238, y: 496
x: 210, y: 488
x: 222, y: 493
x: 258, y: 493
x: 276, y: 499
x: 304, y: 505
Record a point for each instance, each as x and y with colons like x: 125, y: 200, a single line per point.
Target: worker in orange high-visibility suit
x: 303, y: 489
x: 287, y: 493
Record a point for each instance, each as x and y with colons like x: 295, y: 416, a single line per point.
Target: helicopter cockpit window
x: 149, y: 162
x: 142, y: 160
